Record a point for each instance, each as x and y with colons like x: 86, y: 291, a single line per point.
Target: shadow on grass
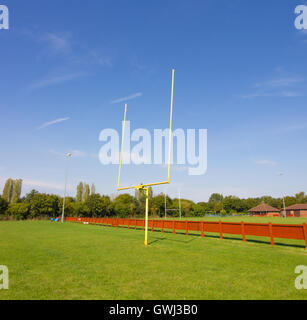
x: 210, y: 235
x: 172, y: 240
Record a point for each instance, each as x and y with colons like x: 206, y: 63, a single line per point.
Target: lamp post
x: 68, y: 155
x: 283, y: 198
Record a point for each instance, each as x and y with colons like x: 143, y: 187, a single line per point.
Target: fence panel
x: 194, y: 225
x: 257, y: 229
x: 211, y: 226
x: 168, y: 224
x: 285, y: 231
x: 180, y: 225
x: 232, y: 227
x: 288, y: 231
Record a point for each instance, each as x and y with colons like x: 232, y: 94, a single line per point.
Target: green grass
x: 289, y: 220
x: 74, y: 261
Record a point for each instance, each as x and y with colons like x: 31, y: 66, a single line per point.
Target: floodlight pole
x: 179, y: 204
x: 285, y: 213
x: 68, y: 155
x: 283, y: 198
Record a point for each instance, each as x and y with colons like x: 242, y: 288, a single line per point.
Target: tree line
x: 88, y: 203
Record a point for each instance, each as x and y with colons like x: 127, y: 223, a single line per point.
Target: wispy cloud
x: 292, y: 94
x: 50, y: 123
x: 100, y: 59
x: 130, y: 97
x: 285, y: 94
x: 266, y: 162
x: 280, y: 82
x: 64, y: 44
x: 255, y: 95
x: 57, y: 43
x: 43, y: 184
x: 280, y: 87
x: 56, y: 79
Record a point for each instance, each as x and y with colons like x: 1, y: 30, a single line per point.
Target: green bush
x: 3, y: 206
x: 18, y: 211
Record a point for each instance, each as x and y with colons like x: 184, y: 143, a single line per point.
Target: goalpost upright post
x: 145, y: 186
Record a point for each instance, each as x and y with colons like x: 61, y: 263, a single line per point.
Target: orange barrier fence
x: 286, y: 231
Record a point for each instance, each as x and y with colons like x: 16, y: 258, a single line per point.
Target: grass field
x: 74, y: 261
x: 289, y: 220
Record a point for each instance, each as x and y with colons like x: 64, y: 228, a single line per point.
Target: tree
x: 157, y: 204
x: 92, y: 189
x: 199, y: 210
x: 301, y: 197
x: 8, y: 190
x: 186, y: 207
x: 215, y: 197
x: 79, y: 192
x: 17, y: 190
x: 289, y: 201
x: 86, y: 193
x: 174, y: 204
x: 235, y: 203
x: 124, y: 205
x: 29, y: 196
x: 218, y: 206
x: 140, y: 200
x: 251, y: 203
x: 19, y: 211
x: 140, y: 193
x: 98, y: 205
x: 68, y: 212
x: 3, y: 206
x: 202, y: 207
x: 150, y: 193
x: 79, y: 209
x: 44, y: 204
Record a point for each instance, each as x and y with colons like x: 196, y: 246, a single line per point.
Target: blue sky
x: 240, y: 73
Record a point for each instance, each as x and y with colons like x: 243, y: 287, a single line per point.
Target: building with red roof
x: 264, y: 209
x: 297, y: 210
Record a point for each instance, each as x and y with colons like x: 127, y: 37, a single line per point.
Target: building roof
x: 263, y: 207
x: 301, y: 206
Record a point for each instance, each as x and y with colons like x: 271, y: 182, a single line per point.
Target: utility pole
x: 179, y: 204
x: 68, y: 155
x: 283, y: 199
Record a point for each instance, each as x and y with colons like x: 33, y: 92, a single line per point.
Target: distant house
x: 264, y: 210
x: 297, y: 210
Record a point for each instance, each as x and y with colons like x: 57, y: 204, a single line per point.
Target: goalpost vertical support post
x: 146, y: 218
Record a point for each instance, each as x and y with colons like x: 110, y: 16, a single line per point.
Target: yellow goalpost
x: 145, y: 186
